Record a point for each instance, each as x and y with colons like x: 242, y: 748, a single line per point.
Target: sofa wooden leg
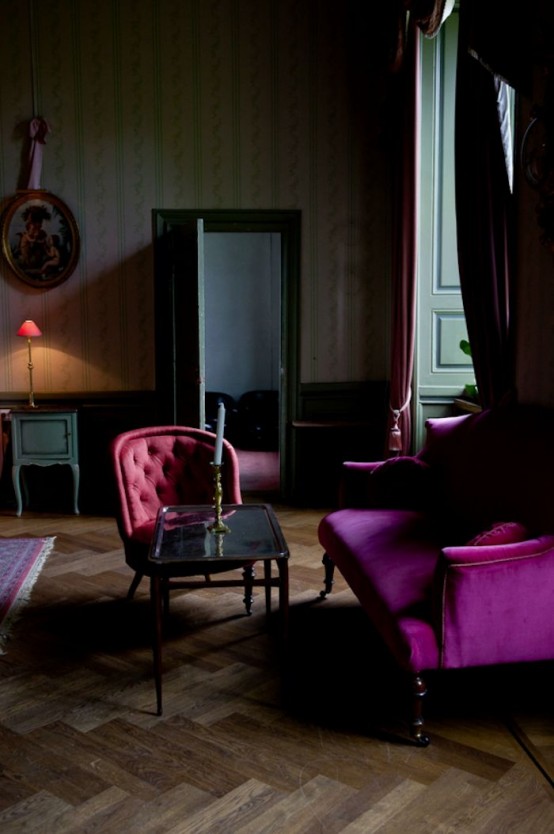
x: 329, y: 572
x: 419, y: 691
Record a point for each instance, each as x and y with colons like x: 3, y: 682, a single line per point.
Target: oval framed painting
x: 40, y: 238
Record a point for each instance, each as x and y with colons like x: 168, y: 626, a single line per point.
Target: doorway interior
x: 227, y: 308
x: 242, y: 336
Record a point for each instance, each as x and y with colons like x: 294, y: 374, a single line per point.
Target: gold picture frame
x: 40, y: 238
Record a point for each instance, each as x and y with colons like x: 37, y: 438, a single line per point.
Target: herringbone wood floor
x: 236, y: 750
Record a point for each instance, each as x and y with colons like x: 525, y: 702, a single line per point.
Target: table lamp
x: 30, y: 331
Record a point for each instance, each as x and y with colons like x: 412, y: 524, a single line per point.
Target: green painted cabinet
x: 44, y: 437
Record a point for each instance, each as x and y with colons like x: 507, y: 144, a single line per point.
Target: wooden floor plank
x: 245, y: 805
x: 311, y: 803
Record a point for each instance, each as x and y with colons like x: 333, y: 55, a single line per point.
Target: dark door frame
x: 288, y: 224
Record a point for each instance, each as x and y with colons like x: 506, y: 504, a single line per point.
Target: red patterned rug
x: 21, y: 561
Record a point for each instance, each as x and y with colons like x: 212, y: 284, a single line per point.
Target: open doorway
x: 242, y: 311
x: 234, y: 332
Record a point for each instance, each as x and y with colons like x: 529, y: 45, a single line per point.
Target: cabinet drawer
x: 44, y: 438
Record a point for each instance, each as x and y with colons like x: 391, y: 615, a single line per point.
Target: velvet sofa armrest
x: 404, y: 482
x: 355, y: 483
x: 470, y: 555
x: 495, y: 603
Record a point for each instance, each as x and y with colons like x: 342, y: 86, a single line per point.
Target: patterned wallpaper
x: 186, y: 104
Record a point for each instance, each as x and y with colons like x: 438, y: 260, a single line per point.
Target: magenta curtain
x: 404, y: 248
x: 484, y: 214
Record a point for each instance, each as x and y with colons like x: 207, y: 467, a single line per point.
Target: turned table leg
x: 329, y: 566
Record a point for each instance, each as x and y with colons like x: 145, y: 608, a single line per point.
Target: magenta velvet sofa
x: 450, y: 552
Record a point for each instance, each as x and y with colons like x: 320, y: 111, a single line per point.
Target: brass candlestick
x: 218, y: 526
x: 219, y: 542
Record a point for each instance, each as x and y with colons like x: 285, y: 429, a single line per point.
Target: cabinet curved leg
x: 16, y: 473
x: 76, y: 475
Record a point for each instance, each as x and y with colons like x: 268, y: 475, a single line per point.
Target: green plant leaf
x: 471, y: 392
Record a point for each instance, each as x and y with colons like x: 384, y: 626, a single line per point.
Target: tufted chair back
x: 163, y: 465
x: 158, y: 466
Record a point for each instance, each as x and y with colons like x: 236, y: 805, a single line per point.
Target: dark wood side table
x: 183, y: 536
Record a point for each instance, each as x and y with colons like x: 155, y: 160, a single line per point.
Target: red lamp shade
x: 29, y: 329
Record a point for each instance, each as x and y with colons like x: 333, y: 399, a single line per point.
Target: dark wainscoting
x: 338, y: 422
x: 100, y: 418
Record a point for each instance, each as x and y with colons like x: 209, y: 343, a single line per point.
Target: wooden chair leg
x: 419, y: 691
x: 329, y: 573
x: 137, y: 579
x: 165, y: 597
x: 267, y: 587
x: 156, y: 607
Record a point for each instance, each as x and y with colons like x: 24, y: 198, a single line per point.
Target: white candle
x: 219, y: 434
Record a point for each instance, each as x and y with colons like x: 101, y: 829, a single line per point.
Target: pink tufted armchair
x: 166, y: 465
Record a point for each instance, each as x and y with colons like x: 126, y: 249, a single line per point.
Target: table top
x: 37, y: 410
x: 183, y: 534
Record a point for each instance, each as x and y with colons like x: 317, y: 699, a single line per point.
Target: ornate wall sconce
x: 537, y: 149
x: 537, y: 160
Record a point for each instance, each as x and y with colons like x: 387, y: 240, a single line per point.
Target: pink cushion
x: 507, y: 532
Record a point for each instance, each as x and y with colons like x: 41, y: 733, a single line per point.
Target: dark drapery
x: 413, y: 16
x: 484, y: 216
x: 404, y: 248
x: 484, y: 212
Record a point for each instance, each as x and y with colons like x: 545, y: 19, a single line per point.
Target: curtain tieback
x: 395, y: 433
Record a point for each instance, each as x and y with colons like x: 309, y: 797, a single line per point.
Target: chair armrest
x: 350, y: 466
x: 355, y: 483
x: 495, y: 603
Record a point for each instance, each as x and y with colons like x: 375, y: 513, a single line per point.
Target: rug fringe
x: 25, y: 596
